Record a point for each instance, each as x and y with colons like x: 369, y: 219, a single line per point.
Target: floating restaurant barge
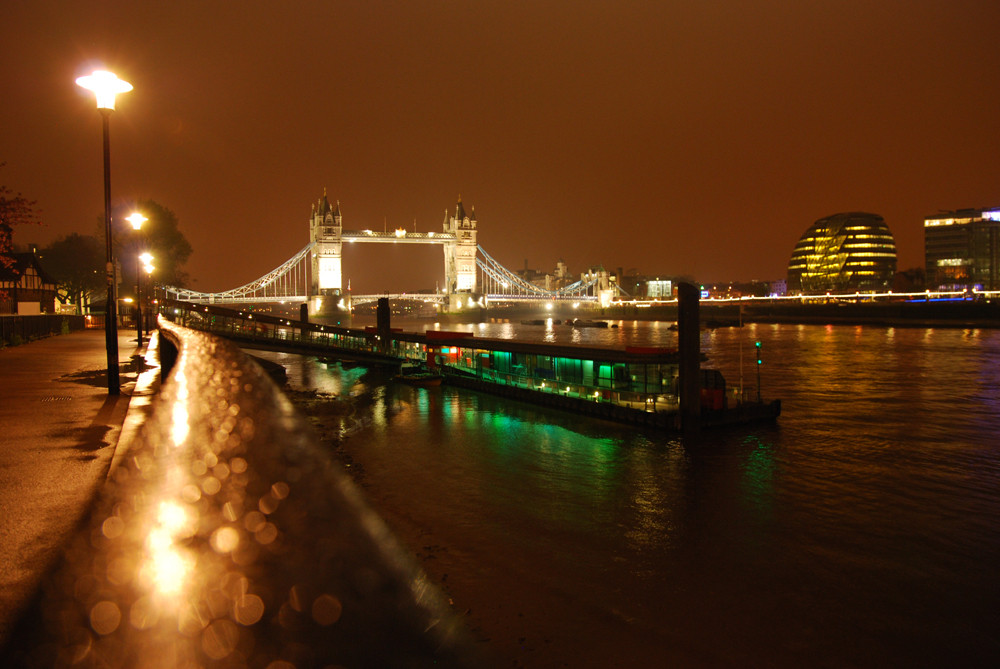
x: 638, y: 386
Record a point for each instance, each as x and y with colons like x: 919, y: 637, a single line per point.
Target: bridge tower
x: 460, y: 257
x: 325, y: 230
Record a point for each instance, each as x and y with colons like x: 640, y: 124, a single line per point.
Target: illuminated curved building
x: 843, y: 253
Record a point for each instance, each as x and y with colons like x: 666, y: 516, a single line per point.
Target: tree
x: 15, y: 209
x: 76, y: 262
x: 909, y: 281
x: 159, y: 236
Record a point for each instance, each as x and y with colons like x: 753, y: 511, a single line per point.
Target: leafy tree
x: 76, y: 262
x: 159, y: 236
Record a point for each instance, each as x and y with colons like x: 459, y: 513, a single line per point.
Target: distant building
x: 843, y: 253
x: 25, y: 288
x: 559, y: 278
x: 660, y: 289
x: 962, y: 250
x: 738, y: 289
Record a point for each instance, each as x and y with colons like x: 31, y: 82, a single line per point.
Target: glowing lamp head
x: 136, y: 219
x: 105, y: 85
x: 146, y: 258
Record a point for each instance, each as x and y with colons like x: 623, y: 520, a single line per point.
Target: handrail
x: 228, y: 536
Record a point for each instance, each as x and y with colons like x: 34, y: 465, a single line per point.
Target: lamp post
x: 105, y: 86
x: 137, y: 219
x: 760, y: 361
x: 147, y: 266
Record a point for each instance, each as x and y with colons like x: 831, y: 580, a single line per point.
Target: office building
x: 962, y: 250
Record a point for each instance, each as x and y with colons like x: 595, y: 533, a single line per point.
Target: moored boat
x: 418, y: 375
x: 420, y: 379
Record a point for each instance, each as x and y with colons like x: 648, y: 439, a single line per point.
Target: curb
x: 147, y: 386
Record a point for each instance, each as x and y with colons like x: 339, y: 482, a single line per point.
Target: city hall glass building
x: 962, y: 250
x: 843, y: 253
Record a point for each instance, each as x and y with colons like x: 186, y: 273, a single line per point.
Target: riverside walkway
x: 60, y: 430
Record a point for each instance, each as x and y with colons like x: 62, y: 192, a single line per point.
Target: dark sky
x: 673, y: 137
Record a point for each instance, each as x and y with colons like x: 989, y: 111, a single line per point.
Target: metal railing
x: 16, y: 330
x: 228, y: 537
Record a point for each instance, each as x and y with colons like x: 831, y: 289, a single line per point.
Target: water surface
x: 860, y: 530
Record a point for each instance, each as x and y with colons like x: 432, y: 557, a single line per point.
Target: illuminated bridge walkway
x: 291, y: 281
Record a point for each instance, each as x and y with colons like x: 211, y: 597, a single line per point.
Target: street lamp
x: 137, y: 219
x: 147, y: 266
x: 105, y: 86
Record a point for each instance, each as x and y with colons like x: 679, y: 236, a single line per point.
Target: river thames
x: 859, y: 530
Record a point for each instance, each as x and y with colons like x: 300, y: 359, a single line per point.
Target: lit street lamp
x: 137, y: 219
x: 105, y: 86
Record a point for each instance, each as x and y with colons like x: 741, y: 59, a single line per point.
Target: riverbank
x: 944, y: 314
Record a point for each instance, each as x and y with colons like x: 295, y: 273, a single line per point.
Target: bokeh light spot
x: 113, y: 527
x: 219, y: 639
x: 105, y: 617
x: 225, y: 539
x: 326, y: 610
x: 144, y: 613
x: 266, y: 534
x: 254, y: 521
x: 248, y: 609
x: 211, y: 485
x: 268, y: 504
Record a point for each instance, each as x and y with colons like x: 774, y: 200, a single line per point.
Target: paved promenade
x: 59, y: 429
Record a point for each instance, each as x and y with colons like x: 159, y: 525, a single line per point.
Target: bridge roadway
x: 397, y: 237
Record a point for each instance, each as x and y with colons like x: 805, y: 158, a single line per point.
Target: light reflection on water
x: 859, y: 530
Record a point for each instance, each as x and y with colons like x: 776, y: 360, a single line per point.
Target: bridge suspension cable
x: 498, y: 282
x: 289, y: 281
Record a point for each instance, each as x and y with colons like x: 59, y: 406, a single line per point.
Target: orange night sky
x: 673, y: 137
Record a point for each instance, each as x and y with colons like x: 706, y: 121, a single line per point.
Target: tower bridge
x: 473, y: 278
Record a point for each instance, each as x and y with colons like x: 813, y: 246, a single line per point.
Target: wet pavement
x: 59, y: 431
